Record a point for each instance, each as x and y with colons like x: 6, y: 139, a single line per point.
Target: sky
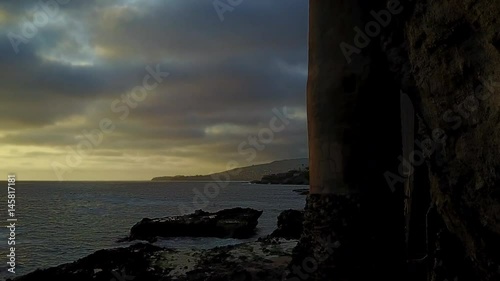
x: 130, y: 90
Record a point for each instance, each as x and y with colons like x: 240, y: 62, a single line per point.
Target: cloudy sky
x: 128, y: 89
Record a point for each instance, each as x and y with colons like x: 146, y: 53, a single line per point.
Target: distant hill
x: 295, y: 177
x: 249, y: 173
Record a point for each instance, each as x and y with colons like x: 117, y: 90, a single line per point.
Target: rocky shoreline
x: 261, y: 260
x: 286, y: 254
x: 264, y: 259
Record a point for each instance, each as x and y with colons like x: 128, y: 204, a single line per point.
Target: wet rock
x: 130, y: 263
x: 289, y: 224
x: 246, y: 261
x: 228, y: 223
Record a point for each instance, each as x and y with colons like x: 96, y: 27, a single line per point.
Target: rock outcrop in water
x: 289, y: 224
x: 228, y: 223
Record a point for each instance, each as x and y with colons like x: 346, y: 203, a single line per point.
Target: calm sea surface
x: 60, y: 222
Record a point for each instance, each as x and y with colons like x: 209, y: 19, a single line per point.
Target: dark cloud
x: 191, y: 30
x: 225, y: 77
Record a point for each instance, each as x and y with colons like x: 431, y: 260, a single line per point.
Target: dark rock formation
x: 144, y: 262
x: 104, y: 265
x: 289, y: 224
x: 456, y: 67
x: 229, y: 223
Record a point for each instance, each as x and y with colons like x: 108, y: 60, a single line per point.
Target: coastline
x: 266, y: 258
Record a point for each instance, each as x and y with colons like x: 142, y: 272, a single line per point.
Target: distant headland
x: 248, y: 173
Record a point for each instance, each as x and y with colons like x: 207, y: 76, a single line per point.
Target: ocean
x: 60, y: 222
